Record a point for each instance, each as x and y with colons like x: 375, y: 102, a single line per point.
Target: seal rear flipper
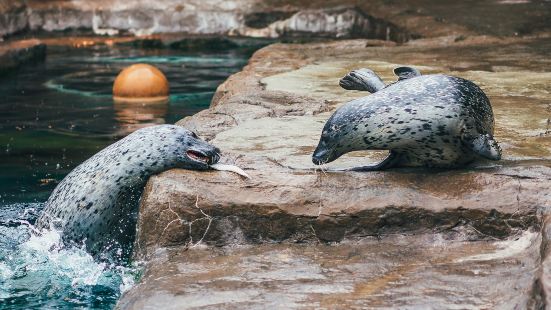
x: 406, y: 73
x: 390, y: 161
x: 484, y: 145
x: 362, y: 79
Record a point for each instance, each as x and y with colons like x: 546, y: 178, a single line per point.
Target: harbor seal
x: 96, y: 203
x: 423, y: 120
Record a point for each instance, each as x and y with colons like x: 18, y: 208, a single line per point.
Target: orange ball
x: 140, y: 83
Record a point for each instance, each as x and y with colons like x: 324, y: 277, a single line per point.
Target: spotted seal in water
x: 97, y: 202
x: 423, y: 120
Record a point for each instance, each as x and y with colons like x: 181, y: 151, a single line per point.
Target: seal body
x: 423, y: 120
x: 96, y: 203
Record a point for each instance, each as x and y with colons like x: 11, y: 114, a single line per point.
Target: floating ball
x: 140, y: 83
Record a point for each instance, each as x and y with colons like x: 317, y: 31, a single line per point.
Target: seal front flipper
x: 362, y: 79
x: 406, y: 73
x: 484, y: 145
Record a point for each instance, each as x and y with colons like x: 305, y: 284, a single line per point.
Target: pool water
x: 53, y: 116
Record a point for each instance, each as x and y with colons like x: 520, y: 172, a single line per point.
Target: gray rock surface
x: 138, y: 17
x: 424, y: 271
x: 398, y: 238
x: 337, y: 22
x: 13, y: 17
x: 239, y: 17
x: 382, y: 19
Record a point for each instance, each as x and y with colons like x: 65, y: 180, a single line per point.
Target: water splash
x: 38, y: 270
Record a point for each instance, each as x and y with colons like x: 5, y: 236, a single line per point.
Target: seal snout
x: 316, y: 160
x: 215, y: 156
x: 320, y: 157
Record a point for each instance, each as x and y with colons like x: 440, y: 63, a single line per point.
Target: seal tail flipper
x: 406, y: 73
x: 390, y: 161
x: 484, y: 145
x: 362, y: 79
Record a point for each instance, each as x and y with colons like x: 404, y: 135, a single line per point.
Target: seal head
x: 97, y: 203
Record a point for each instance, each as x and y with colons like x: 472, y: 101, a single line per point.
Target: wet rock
x: 58, y: 19
x: 259, y: 20
x: 244, y: 17
x: 279, y: 204
x: 290, y: 236
x: 421, y: 271
x: 394, y: 20
x: 13, y: 17
x: 17, y: 53
x: 339, y: 22
x: 137, y: 17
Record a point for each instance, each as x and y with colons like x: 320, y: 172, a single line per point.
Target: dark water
x: 56, y: 114
x: 53, y: 116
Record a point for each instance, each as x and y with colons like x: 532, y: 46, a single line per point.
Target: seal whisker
x: 315, y: 170
x: 323, y: 168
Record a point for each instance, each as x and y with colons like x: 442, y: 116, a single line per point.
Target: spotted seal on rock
x: 96, y: 203
x: 423, y: 120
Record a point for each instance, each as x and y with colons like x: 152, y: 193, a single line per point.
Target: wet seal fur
x: 97, y: 203
x: 423, y: 120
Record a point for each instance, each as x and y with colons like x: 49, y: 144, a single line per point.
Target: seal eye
x: 194, y: 135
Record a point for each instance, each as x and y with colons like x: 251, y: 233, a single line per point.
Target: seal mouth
x: 202, y: 157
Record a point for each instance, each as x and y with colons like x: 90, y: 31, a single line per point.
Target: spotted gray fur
x: 423, y: 120
x: 96, y: 203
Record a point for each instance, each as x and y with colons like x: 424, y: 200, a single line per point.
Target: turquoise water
x: 53, y: 116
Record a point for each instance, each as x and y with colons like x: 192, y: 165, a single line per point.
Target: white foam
x: 71, y: 262
x: 43, y: 254
x: 5, y: 271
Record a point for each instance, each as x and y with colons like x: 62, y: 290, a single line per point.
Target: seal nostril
x: 319, y: 157
x: 316, y: 160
